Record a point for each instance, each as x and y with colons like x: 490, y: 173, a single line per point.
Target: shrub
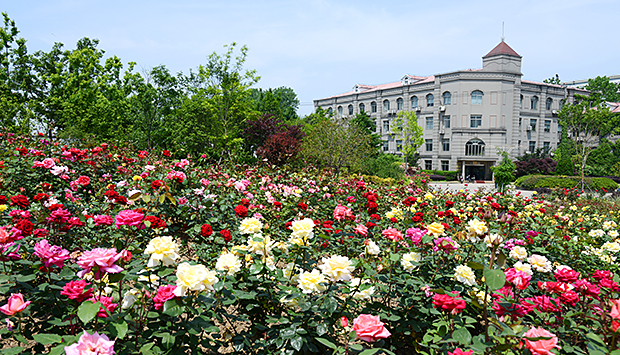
x: 531, y: 182
x: 544, y: 166
x: 448, y: 175
x: 565, y: 167
x: 385, y: 166
x: 437, y: 177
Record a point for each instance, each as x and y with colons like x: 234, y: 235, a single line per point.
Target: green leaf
x: 297, y: 342
x: 256, y: 268
x: 462, y: 335
x: 327, y: 343
x: 394, y: 257
x: 146, y: 348
x: 88, y: 310
x: 370, y: 351
x: 167, y: 340
x: 474, y: 265
x: 12, y: 351
x: 172, y: 308
x: 596, y: 345
x: 58, y: 350
x: 119, y: 330
x: 356, y: 347
x: 321, y: 329
x: 495, y: 279
x: 46, y: 339
x: 331, y: 304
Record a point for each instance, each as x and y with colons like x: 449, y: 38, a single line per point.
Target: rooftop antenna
x: 502, y: 31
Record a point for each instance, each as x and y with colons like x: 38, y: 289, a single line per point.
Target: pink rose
x: 566, y: 274
x: 361, y: 230
x: 106, y: 305
x: 130, y: 218
x: 369, y: 328
x: 51, y: 254
x: 615, y: 309
x: 541, y: 347
x: 75, y: 290
x: 458, y: 351
x: 392, y: 234
x: 14, y: 305
x: 519, y: 279
x: 101, y: 259
x: 91, y: 344
x: 341, y: 212
x: 164, y: 293
x: 103, y: 220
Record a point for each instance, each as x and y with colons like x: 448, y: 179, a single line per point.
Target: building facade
x: 466, y: 116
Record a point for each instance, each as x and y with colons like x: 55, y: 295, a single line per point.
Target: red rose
x: 302, y: 206
x: 25, y: 226
x: 83, y: 180
x: 241, y: 211
x: 156, y: 222
x: 166, y: 153
x: 157, y: 184
x: 3, y: 200
x: 75, y: 290
x: 226, y: 234
x: 206, y: 230
x: 20, y: 200
x: 566, y: 274
x: 448, y: 303
x: 245, y: 202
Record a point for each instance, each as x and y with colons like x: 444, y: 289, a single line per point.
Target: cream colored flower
x: 525, y: 267
x: 607, y: 225
x: 612, y: 247
x: 518, y: 253
x: 303, y: 228
x: 540, y: 263
x: 250, y: 226
x: 409, y: 258
x: 493, y: 239
x: 596, y: 233
x: 194, y: 278
x: 162, y: 250
x: 311, y: 282
x: 372, y: 248
x: 465, y: 274
x: 337, y: 268
x: 130, y: 298
x: 435, y: 229
x: 151, y: 279
x: 289, y: 301
x: 260, y: 245
x: 477, y: 227
x: 613, y: 233
x: 364, y: 294
x: 229, y: 263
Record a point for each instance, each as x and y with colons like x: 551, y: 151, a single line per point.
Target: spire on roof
x: 502, y: 48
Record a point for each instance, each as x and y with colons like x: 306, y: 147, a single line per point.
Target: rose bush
x: 156, y: 255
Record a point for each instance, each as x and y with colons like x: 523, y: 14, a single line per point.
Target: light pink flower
x: 361, y: 230
x: 369, y: 328
x: 541, y: 347
x: 91, y: 344
x: 392, y: 234
x: 51, y: 254
x: 103, y: 220
x: 100, y: 259
x: 341, y: 212
x: 15, y: 304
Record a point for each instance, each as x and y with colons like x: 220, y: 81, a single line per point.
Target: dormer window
x: 356, y: 89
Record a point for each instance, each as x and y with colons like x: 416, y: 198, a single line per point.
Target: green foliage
x: 531, y: 182
x: 450, y: 175
x: 504, y: 173
x: 603, y: 89
x: 367, y: 124
x: 385, y: 166
x: 553, y: 80
x: 282, y: 102
x: 406, y: 125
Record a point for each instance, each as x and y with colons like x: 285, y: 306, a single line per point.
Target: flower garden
x: 107, y: 250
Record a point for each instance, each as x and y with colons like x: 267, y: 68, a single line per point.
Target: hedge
x: 532, y: 182
x: 449, y: 175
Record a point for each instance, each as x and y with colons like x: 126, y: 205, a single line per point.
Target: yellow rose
x: 194, y: 278
x: 250, y: 226
x: 163, y: 250
x: 229, y: 263
x: 435, y: 228
x: 311, y: 282
x: 3, y: 208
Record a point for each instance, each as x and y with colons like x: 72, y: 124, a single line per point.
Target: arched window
x: 362, y: 107
x: 447, y: 98
x: 339, y: 110
x: 476, y: 97
x: 414, y: 101
x: 521, y: 102
x: 373, y: 106
x: 430, y: 100
x: 549, y: 103
x: 399, y: 103
x: 474, y: 147
x: 350, y: 110
x: 534, y: 103
x: 330, y: 110
x: 386, y: 105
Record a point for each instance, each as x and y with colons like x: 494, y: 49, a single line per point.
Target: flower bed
x: 135, y: 252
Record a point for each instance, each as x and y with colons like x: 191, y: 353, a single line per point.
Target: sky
x: 324, y: 47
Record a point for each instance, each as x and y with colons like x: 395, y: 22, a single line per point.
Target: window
x: 476, y: 121
x: 373, y: 107
x: 429, y: 145
x: 399, y: 104
x: 429, y: 122
x: 399, y: 145
x: 428, y: 164
x: 350, y: 110
x: 414, y: 101
x: 549, y: 103
x: 430, y: 100
x: 339, y: 110
x: 445, y: 143
x: 547, y: 146
x: 532, y: 146
x: 362, y: 107
x: 561, y: 104
x: 386, y: 126
x: 521, y: 102
x: 520, y: 122
x: 386, y: 146
x: 386, y: 105
x: 474, y: 147
x: 547, y: 125
x: 330, y: 110
x: 476, y: 97
x: 445, y: 165
x: 533, y: 124
x: 534, y: 102
x: 447, y: 98
x: 446, y: 121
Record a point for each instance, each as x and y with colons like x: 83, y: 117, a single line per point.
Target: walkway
x: 487, y: 186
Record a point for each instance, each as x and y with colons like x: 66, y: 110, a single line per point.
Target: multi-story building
x: 467, y: 116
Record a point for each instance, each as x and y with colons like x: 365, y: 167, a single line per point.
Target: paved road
x: 489, y: 187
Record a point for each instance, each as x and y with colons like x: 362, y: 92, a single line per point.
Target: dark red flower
x: 166, y: 153
x: 241, y: 211
x: 20, y: 200
x: 156, y: 222
x: 157, y: 184
x: 206, y: 230
x: 302, y: 206
x: 449, y: 204
x: 245, y: 202
x: 3, y: 200
x: 226, y: 235
x: 409, y: 201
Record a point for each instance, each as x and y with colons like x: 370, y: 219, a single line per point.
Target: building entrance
x: 474, y: 172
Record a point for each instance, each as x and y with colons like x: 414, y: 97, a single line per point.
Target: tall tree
x: 367, y: 124
x: 606, y: 90
x: 586, y: 122
x: 406, y: 125
x: 553, y: 80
